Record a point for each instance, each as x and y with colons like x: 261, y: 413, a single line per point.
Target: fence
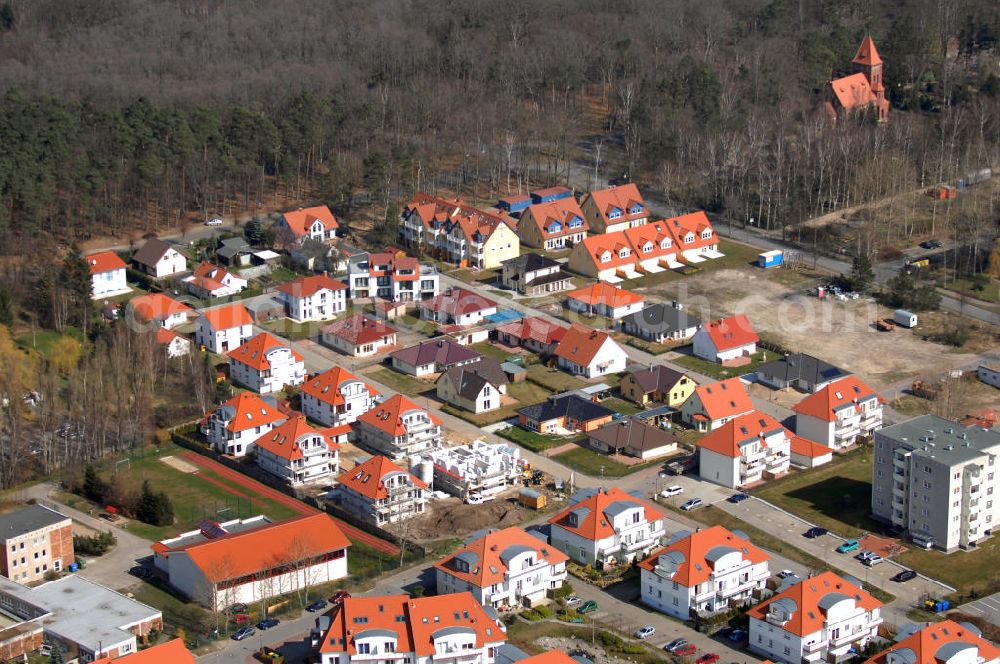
x: 333, y: 509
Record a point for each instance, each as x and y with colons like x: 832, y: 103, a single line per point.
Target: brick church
x: 861, y: 89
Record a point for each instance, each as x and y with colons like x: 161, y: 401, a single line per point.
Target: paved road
x: 987, y: 608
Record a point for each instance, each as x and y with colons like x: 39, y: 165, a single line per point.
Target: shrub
x: 154, y: 508
x: 531, y: 615
x: 543, y: 611
x: 609, y: 640
x: 633, y: 649
x: 565, y: 590
x: 96, y: 545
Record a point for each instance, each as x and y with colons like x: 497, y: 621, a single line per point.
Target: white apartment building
x: 947, y: 642
x: 297, y: 454
x: 938, y: 481
x: 477, y: 468
x: 224, y: 328
x: 391, y: 277
x: 380, y: 492
x: 336, y: 397
x: 606, y: 527
x: 821, y: 618
x: 264, y: 364
x: 233, y: 427
x: 705, y: 572
x: 503, y: 569
x: 839, y: 413
x: 745, y: 451
x: 398, y: 428
x: 314, y: 298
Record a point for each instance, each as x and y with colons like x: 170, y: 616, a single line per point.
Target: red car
x: 686, y: 650
x: 241, y: 618
x: 339, y: 596
x: 708, y: 658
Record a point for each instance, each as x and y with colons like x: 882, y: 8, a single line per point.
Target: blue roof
x: 504, y: 315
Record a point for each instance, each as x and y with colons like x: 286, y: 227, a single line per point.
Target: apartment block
x: 35, y: 541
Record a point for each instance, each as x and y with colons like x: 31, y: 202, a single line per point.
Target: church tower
x: 868, y: 62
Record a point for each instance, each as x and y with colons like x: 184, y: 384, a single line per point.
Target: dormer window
x: 606, y: 257
x: 615, y: 213
x: 707, y: 235
x: 624, y: 253
x: 635, y: 209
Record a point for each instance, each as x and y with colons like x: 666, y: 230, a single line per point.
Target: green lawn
x: 489, y: 349
x: 177, y: 611
x: 402, y: 383
x: 589, y: 462
x: 650, y: 347
x: 621, y: 406
x: 471, y: 276
x: 718, y: 371
x: 836, y: 496
x: 969, y: 571
x: 536, y: 442
x: 986, y: 290
x: 289, y: 329
x: 525, y: 392
x: 554, y: 379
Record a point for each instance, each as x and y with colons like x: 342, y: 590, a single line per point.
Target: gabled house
x: 224, y: 328
x: 457, y: 306
x: 839, y: 414
x: 391, y: 277
x: 314, y: 223
x: 458, y: 233
x: 532, y: 333
x: 503, y: 569
x: 564, y: 414
x: 297, y: 454
x: 314, y: 298
x: 398, y: 428
x: 657, y: 384
x: 725, y: 340
x: 714, y: 404
x: 336, y: 397
x: 234, y: 252
x: 168, y: 652
x: 358, y: 335
x: 614, y: 209
x: 745, y: 451
x: 861, y: 90
x: 553, y: 225
x: 661, y: 323
x: 803, y: 372
x: 379, y: 492
x: 158, y: 308
x: 607, y: 526
x: 807, y: 453
x: 173, y: 344
x: 233, y: 427
x: 107, y: 274
x: 694, y: 237
x: 653, y: 247
x: 705, y: 572
x: 945, y: 642
x: 158, y: 259
x: 589, y: 353
x: 264, y: 364
x: 209, y: 281
x: 633, y: 437
x: 533, y: 275
x: 606, y: 257
x: 819, y: 619
x: 477, y: 387
x: 432, y: 356
x: 604, y: 299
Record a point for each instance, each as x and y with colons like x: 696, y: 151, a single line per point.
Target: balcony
x: 815, y: 646
x: 848, y: 637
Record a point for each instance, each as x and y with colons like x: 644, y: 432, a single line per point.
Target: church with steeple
x: 861, y: 89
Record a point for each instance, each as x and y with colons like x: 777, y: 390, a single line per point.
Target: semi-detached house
x: 553, y: 225
x: 233, y: 427
x: 838, y: 414
x: 336, y: 397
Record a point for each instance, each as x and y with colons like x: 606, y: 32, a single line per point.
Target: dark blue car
x: 267, y: 623
x: 737, y: 497
x: 318, y: 605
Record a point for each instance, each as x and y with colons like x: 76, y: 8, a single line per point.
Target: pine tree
x: 74, y: 279
x: 154, y: 508
x: 94, y: 488
x: 254, y: 232
x: 862, y: 275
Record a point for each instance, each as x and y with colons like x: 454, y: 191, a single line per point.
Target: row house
x: 358, y: 335
x: 336, y: 397
x: 297, y: 454
x: 158, y: 259
x: 107, y: 274
x: 398, y: 428
x: 391, y: 277
x: 745, y: 451
x: 712, y: 405
x: 947, y: 642
x: 534, y: 275
x: 532, y: 333
x: 159, y: 309
x: 606, y: 527
x: 314, y: 298
x: 503, y: 569
x: 725, y: 340
x: 379, y: 492
x: 432, y: 356
x: 457, y: 306
x: 233, y: 427
x: 224, y: 328
x: 840, y: 413
x: 458, y: 233
x: 590, y: 353
x: 616, y: 208
x: 553, y: 225
x: 264, y: 364
x: 312, y: 223
x: 211, y: 281
x: 604, y: 299
x: 703, y: 573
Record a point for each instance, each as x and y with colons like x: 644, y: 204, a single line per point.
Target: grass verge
x: 402, y: 383
x: 536, y: 442
x: 554, y: 379
x: 591, y: 463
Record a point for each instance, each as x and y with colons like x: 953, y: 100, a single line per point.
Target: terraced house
x: 553, y: 225
x: 615, y: 209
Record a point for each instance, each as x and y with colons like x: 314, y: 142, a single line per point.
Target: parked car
x: 675, y: 644
x: 241, y: 618
x: 708, y: 658
x: 738, y: 635
x: 268, y: 623
x: 243, y: 632
x: 786, y: 574
x: 645, y: 632
x: 340, y: 596
x: 141, y: 571
x: 573, y: 600
x: 864, y: 555
x: 691, y: 504
x: 849, y: 546
x: 931, y: 244
x: 671, y: 491
x: 815, y: 532
x: 873, y: 560
x: 214, y: 221
x: 588, y: 607
x: 905, y: 575
x: 737, y: 497
x: 318, y: 605
x: 685, y: 650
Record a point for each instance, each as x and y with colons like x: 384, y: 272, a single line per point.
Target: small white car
x: 645, y: 632
x: 476, y: 499
x: 573, y: 600
x: 671, y: 491
x: 214, y: 221
x: 873, y: 560
x: 786, y: 574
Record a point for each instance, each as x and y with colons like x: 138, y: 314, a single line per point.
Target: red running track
x: 259, y: 489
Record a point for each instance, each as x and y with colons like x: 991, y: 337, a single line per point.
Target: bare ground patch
x: 179, y: 464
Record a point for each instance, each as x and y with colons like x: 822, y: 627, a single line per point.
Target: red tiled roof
x: 653, y: 235
x: 358, y: 329
x: 726, y: 439
x: 283, y: 440
x: 825, y: 403
x: 807, y: 448
x: 605, y: 294
x: 580, y: 344
x: 732, y: 332
x: 696, y: 566
x: 213, y: 272
x: 368, y: 478
x: 328, y: 386
x: 104, y: 261
x: 157, y: 306
x: 622, y: 197
x: 490, y: 549
x: 561, y: 210
x: 309, y: 286
x: 853, y: 91
x: 549, y: 657
x: 170, y: 652
x: 610, y: 245
x: 808, y: 617
x: 228, y: 316
x: 165, y: 336
x: 250, y: 411
x: 254, y: 352
x: 534, y: 328
x: 925, y: 644
x: 388, y: 415
x: 595, y: 525
x: 693, y: 222
x: 725, y: 398
x: 300, y: 220
x: 457, y: 302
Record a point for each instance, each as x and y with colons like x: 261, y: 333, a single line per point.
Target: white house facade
x: 266, y: 365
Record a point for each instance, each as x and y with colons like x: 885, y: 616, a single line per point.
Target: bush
x: 531, y: 615
x: 154, y: 508
x: 96, y: 545
x: 565, y: 590
x: 543, y: 611
x: 609, y: 640
x: 633, y: 649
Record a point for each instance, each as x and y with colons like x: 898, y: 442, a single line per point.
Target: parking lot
x: 987, y: 608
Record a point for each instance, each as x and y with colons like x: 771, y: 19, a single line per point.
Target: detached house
x: 433, y: 356
x: 314, y: 223
x: 607, y: 526
x: 477, y: 387
x: 819, y: 619
x: 173, y: 344
x: 297, y: 454
x: 603, y: 299
x: 589, y: 353
x: 839, y: 414
x: 380, y: 492
x: 233, y: 427
x: 358, y: 335
x: 661, y: 323
x: 264, y: 364
x: 503, y: 569
x: 391, y: 277
x: 705, y: 572
x: 563, y: 415
x: 745, y: 451
x: 725, y: 340
x: 398, y: 428
x: 615, y: 209
x: 224, y: 328
x: 714, y: 404
x: 158, y: 308
x: 210, y: 281
x: 107, y: 275
x: 947, y: 642
x: 457, y: 306
x: 313, y: 298
x: 158, y: 259
x: 534, y: 275
x: 336, y: 397
x: 553, y: 225
x: 657, y: 384
x: 800, y: 371
x: 533, y: 333
x: 633, y: 437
